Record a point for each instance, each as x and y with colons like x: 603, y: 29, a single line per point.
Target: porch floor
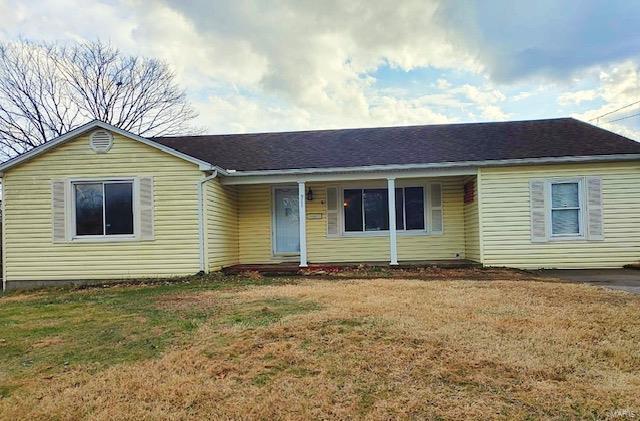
x: 290, y: 268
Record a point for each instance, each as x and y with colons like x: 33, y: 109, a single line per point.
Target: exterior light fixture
x: 309, y: 194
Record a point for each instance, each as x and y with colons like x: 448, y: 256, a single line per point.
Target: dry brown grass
x: 383, y: 348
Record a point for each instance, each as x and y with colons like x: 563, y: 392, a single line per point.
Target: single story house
x: 102, y: 203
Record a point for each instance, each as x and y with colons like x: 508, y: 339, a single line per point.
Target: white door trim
x: 274, y: 251
x: 302, y: 223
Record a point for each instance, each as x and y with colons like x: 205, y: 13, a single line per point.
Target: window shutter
x: 332, y: 211
x: 58, y: 208
x: 595, y: 227
x: 435, y: 207
x: 145, y: 203
x: 538, y: 213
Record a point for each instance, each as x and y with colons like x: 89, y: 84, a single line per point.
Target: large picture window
x: 368, y: 209
x: 103, y: 208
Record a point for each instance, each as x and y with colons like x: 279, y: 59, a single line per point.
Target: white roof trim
x: 347, y: 176
x: 438, y: 165
x: 202, y: 165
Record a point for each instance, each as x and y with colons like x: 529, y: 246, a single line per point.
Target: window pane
x: 88, y: 209
x: 353, y: 210
x: 414, y: 207
x: 118, y: 208
x: 376, y: 209
x: 565, y: 221
x: 399, y: 209
x: 564, y: 195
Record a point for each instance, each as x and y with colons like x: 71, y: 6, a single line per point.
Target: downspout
x: 3, y: 249
x: 201, y: 217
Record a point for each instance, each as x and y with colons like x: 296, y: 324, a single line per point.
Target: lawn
x: 454, y: 344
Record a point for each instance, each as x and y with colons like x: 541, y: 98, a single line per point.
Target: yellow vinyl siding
x: 222, y: 224
x: 255, y: 222
x: 449, y: 244
x: 505, y: 217
x: 30, y: 251
x: 471, y: 226
x: 323, y: 249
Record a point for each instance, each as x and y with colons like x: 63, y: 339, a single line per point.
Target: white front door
x: 286, y: 221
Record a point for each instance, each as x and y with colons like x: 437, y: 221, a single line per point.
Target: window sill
x: 567, y: 238
x: 365, y: 234
x: 104, y: 239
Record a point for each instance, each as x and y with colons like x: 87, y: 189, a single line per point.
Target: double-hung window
x: 566, y: 209
x: 103, y: 208
x: 367, y: 210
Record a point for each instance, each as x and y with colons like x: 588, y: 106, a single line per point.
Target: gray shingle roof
x: 403, y: 145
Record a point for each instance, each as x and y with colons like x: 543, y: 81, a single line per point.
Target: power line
x: 623, y: 118
x: 614, y: 111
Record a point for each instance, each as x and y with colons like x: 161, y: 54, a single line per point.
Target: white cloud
x: 389, y: 111
x: 481, y: 96
x: 569, y: 98
x: 443, y: 84
x: 522, y: 95
x: 315, y: 55
x: 494, y: 113
x: 239, y: 114
x: 618, y: 87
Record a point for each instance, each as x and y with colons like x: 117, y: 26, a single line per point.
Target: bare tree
x: 47, y: 90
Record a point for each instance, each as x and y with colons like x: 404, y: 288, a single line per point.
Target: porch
x: 401, y: 220
x: 293, y: 268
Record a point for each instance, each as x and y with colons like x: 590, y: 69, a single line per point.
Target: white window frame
x: 403, y: 232
x: 581, y: 209
x: 71, y: 210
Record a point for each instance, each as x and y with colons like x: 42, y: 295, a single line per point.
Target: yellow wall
x: 472, y: 226
x: 254, y: 203
x: 505, y: 218
x: 254, y: 224
x: 449, y: 244
x: 322, y: 249
x: 30, y: 253
x: 221, y: 207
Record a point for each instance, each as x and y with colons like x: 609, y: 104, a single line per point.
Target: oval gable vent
x: 101, y: 141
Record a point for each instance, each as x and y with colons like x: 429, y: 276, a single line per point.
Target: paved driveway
x: 623, y: 279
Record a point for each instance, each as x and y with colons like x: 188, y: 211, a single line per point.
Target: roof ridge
x: 410, y: 126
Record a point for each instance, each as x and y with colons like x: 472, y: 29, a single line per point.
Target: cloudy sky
x: 296, y: 64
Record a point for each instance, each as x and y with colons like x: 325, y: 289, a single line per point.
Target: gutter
x: 201, y: 221
x: 438, y: 165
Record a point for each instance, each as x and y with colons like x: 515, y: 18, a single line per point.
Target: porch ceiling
x: 349, y: 175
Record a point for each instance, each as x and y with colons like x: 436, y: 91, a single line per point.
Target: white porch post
x: 393, y: 245
x: 302, y: 199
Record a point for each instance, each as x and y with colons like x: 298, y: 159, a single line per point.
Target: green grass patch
x: 265, y: 312
x: 99, y: 327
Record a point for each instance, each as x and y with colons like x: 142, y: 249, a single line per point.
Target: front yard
x: 462, y: 344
